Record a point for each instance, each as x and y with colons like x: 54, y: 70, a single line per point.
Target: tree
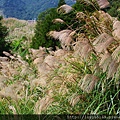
x: 3, y: 34
x: 114, y: 9
x: 61, y: 2
x: 44, y: 25
x: 85, y: 6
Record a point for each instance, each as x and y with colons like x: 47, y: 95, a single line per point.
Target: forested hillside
x: 30, y: 9
x: 27, y: 9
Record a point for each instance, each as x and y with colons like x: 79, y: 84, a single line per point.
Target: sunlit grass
x: 68, y: 87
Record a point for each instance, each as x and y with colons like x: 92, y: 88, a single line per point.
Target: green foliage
x: 3, y: 33
x: 44, y: 25
x: 18, y: 47
x: 85, y: 6
x: 114, y: 9
x: 64, y: 84
x: 16, y: 44
x: 102, y: 100
x: 61, y: 2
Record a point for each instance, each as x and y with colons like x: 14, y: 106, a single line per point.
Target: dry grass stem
x: 112, y: 69
x: 116, y: 54
x: 89, y: 82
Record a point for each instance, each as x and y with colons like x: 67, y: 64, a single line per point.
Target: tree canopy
x: 61, y: 2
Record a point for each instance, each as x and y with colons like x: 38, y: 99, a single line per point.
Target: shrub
x: 18, y: 46
x: 3, y: 33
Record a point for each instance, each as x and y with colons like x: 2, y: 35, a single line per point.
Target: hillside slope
x: 27, y: 9
x: 80, y: 80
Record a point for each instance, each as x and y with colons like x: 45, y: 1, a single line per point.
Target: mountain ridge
x: 25, y: 9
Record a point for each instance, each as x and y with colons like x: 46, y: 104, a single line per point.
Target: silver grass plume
x: 58, y: 20
x: 64, y: 9
x: 42, y: 104
x: 88, y: 83
x: 112, y: 69
x: 102, y: 42
x: 105, y: 61
x: 116, y: 54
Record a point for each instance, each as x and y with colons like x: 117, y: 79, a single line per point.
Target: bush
x: 3, y: 33
x: 19, y: 47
